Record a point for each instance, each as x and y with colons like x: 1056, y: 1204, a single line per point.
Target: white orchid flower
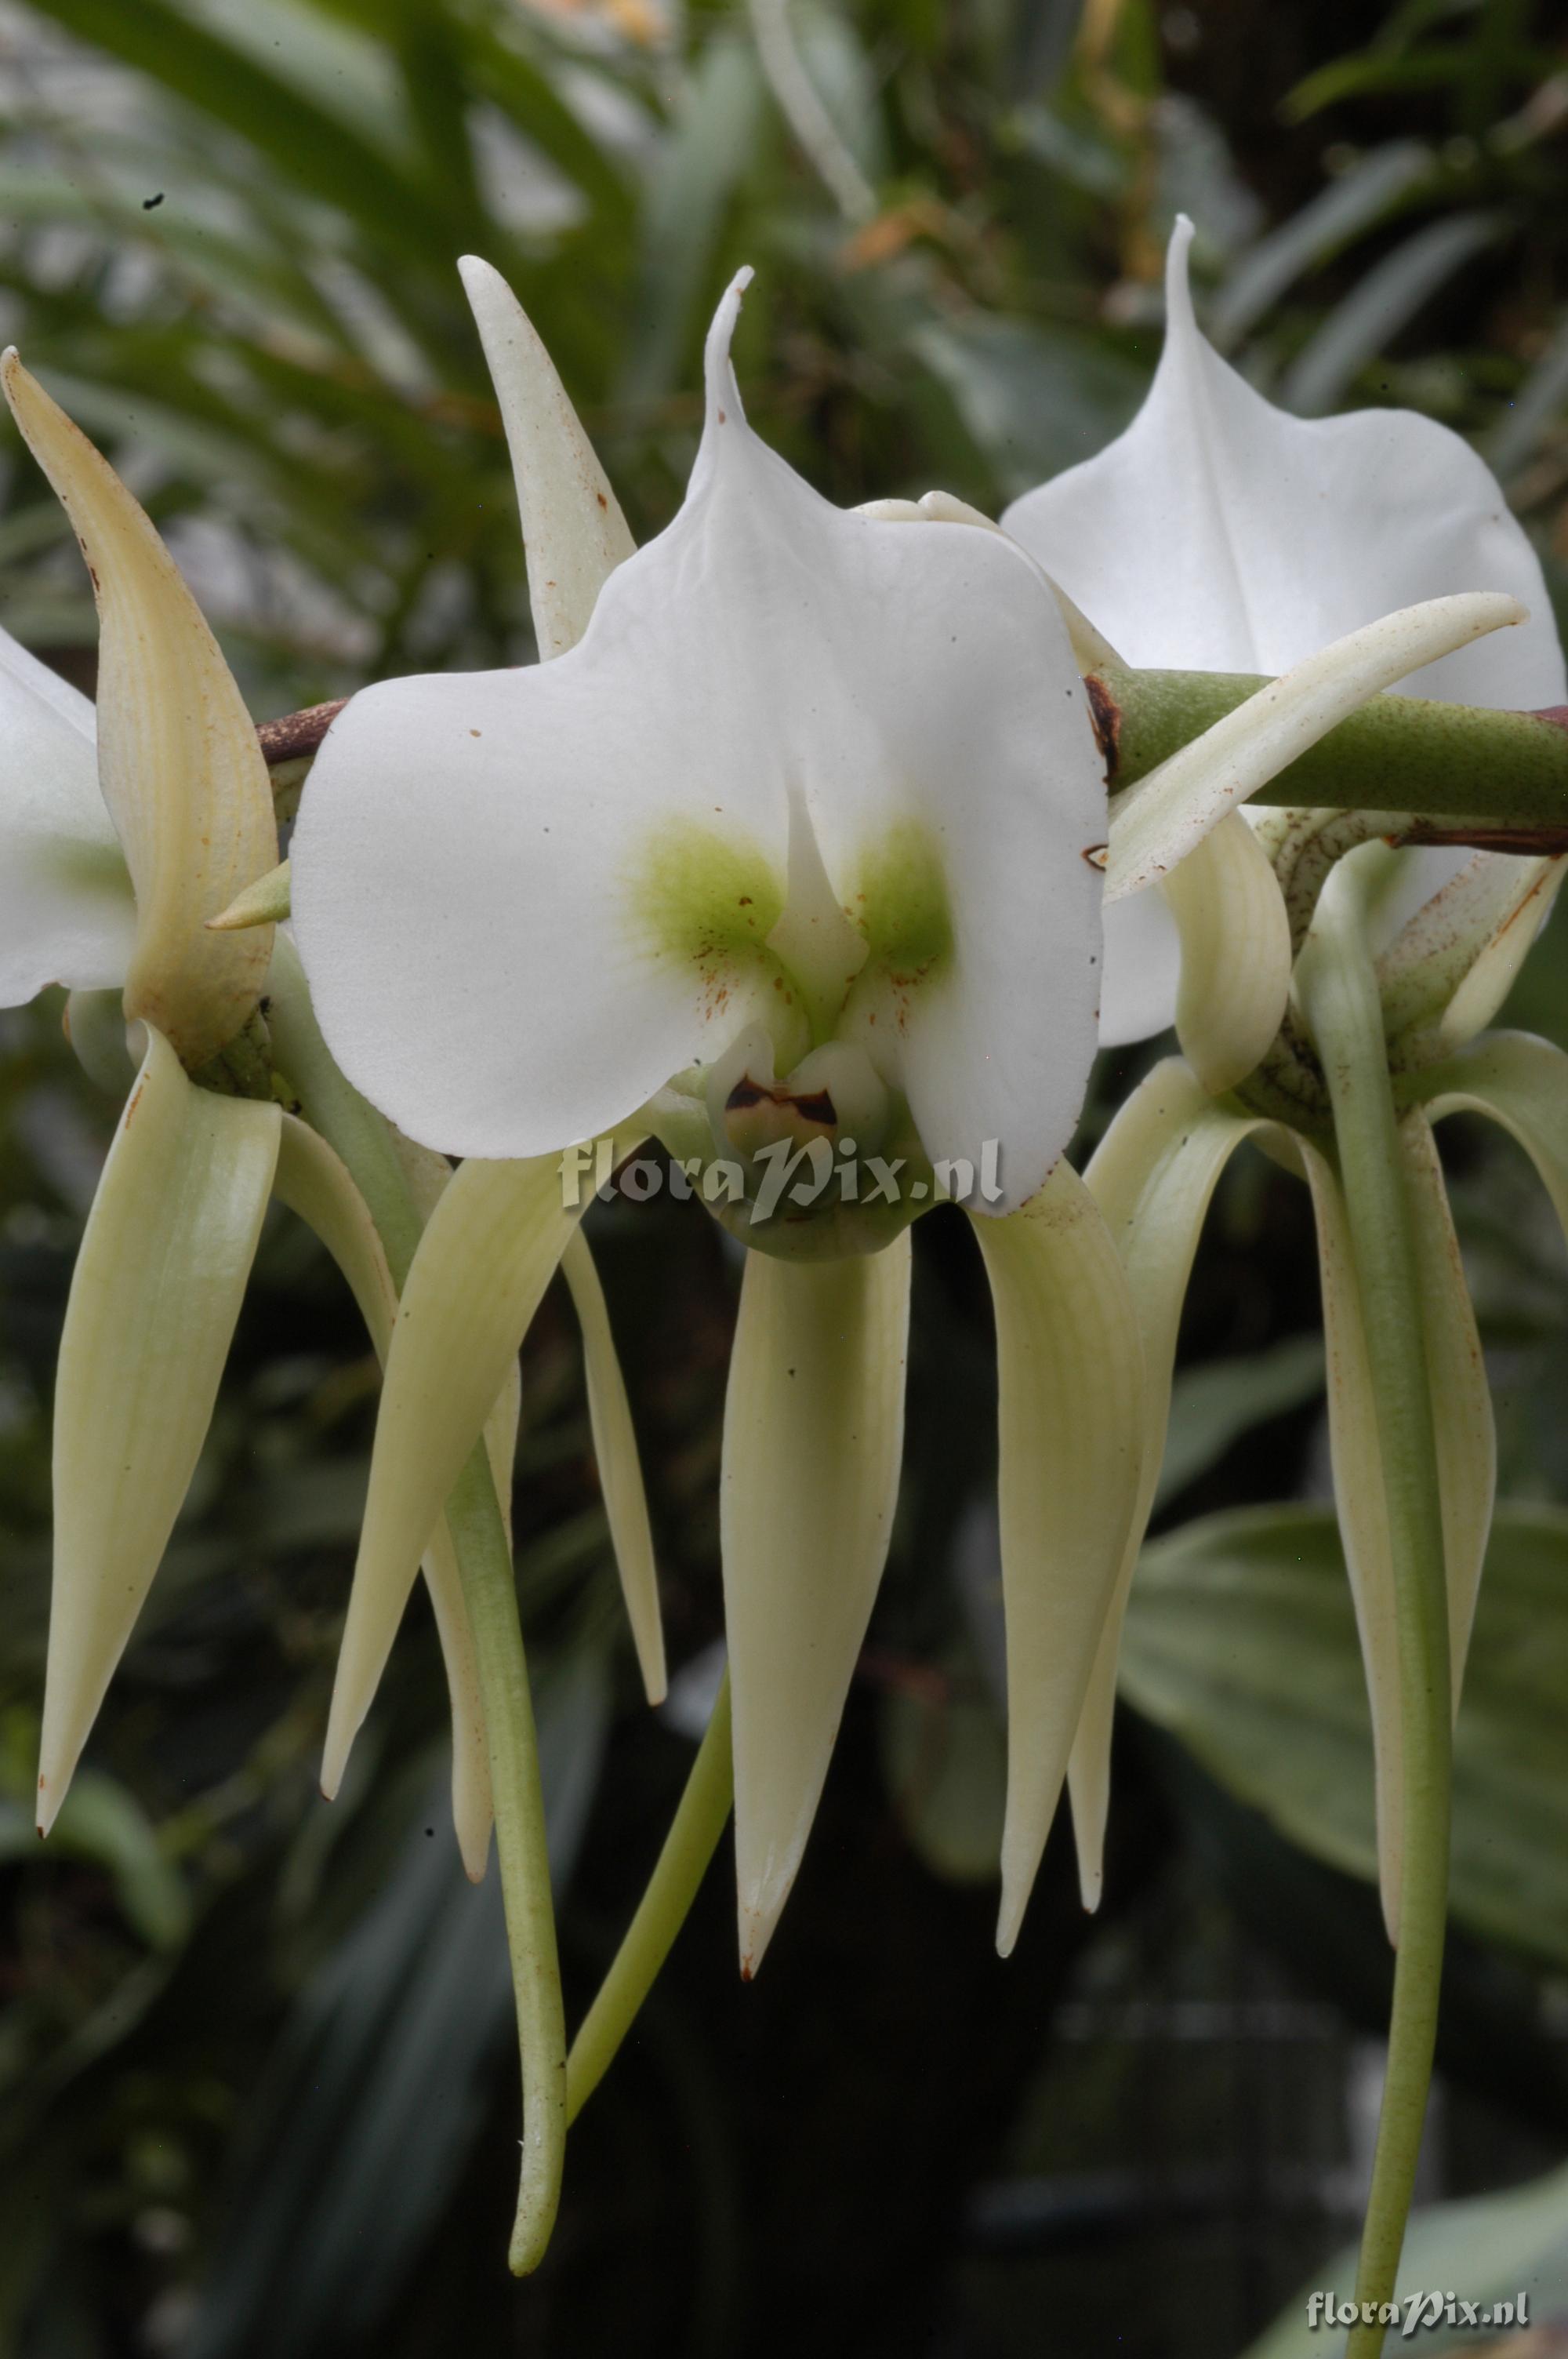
x: 113, y: 859
x: 1221, y: 534
x: 121, y: 831
x: 792, y: 848
x: 1263, y: 532
x: 794, y: 845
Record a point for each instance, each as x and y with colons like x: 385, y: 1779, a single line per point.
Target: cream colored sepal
x: 1070, y: 1373
x: 178, y: 760
x: 428, y: 1176
x: 1152, y: 1177
x: 1445, y: 975
x: 1460, y: 1396
x: 1466, y: 1454
x: 1236, y: 953
x: 314, y: 1182
x: 813, y: 1439
x: 1357, y: 1460
x: 1521, y: 1083
x: 154, y: 1299
x: 573, y: 534
x: 489, y: 1249
x: 620, y: 1468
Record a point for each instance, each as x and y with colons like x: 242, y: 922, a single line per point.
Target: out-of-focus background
x: 257, y: 2073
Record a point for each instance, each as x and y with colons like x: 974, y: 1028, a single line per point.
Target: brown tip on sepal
x: 1106, y: 714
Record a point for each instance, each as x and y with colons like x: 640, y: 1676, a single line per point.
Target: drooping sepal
x: 1447, y: 971
x: 1467, y: 1451
x: 489, y: 1249
x: 1152, y: 1177
x: 153, y: 1300
x: 1070, y: 1371
x: 813, y: 1437
x: 620, y: 1467
x: 1519, y: 1082
x: 313, y: 1182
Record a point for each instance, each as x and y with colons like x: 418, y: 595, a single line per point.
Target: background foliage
x: 257, y: 2086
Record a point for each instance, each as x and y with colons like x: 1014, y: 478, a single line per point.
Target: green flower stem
x: 490, y: 1592
x: 361, y: 1135
x: 690, y: 1845
x: 1438, y: 762
x: 1335, y: 979
x: 1408, y: 754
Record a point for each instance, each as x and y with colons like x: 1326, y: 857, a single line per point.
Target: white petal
x: 154, y: 1299
x: 65, y: 911
x: 573, y: 534
x: 526, y: 899
x: 1221, y: 534
x: 813, y: 1437
x: 179, y: 764
x: 1156, y: 823
x: 1071, y: 1399
x: 1152, y: 1177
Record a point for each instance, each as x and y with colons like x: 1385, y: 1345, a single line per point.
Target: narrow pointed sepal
x: 813, y: 1437
x: 1152, y: 1177
x: 1360, y: 1505
x: 1070, y: 1379
x: 1445, y: 975
x: 1236, y: 953
x: 178, y: 760
x: 154, y: 1299
x: 1158, y: 821
x: 1466, y: 1454
x: 573, y: 534
x: 1509, y: 943
x: 314, y: 1182
x: 1519, y: 1082
x: 1460, y: 1396
x: 620, y: 1468
x: 489, y: 1249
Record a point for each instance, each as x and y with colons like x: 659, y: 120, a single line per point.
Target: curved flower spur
x: 1401, y: 963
